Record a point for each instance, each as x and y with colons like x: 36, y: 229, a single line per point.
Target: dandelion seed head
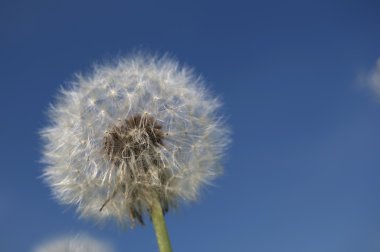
x: 127, y: 133
x: 78, y: 243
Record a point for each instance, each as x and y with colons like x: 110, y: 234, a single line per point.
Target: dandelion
x: 78, y: 243
x: 132, y: 138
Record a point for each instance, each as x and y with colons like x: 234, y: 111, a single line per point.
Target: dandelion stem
x: 160, y: 227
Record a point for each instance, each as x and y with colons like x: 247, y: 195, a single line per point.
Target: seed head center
x: 132, y: 137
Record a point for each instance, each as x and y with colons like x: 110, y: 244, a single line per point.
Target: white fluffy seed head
x: 143, y: 128
x: 78, y: 243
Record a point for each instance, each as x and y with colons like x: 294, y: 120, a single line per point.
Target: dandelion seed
x: 141, y: 130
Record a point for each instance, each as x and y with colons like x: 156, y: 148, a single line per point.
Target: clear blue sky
x: 303, y: 172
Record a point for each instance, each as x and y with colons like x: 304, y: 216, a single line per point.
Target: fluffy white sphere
x: 78, y: 243
x: 141, y: 129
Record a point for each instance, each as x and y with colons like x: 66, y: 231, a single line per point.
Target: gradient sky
x: 303, y: 172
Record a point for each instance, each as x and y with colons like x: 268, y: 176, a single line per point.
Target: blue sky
x: 303, y: 171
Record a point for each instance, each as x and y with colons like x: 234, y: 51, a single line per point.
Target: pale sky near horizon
x: 300, y: 92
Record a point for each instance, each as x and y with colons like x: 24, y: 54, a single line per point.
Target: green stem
x: 160, y: 227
